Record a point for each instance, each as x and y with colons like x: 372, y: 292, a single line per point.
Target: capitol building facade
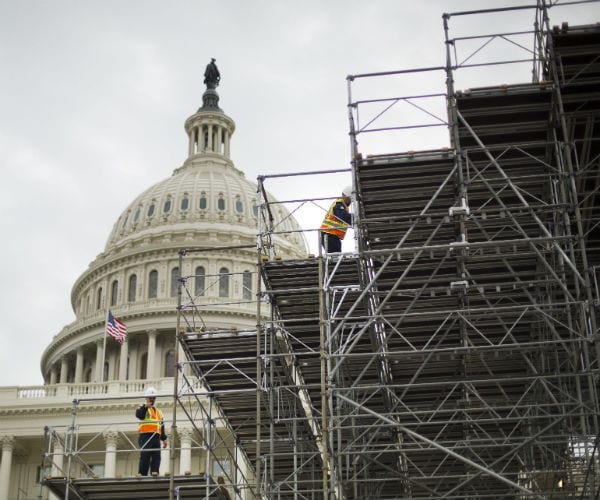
x: 93, y: 384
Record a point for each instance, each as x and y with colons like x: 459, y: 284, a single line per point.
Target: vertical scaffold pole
x: 258, y: 334
x: 324, y: 423
x: 176, y: 377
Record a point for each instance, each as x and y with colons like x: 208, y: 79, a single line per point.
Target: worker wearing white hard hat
x: 336, y: 222
x: 151, y: 434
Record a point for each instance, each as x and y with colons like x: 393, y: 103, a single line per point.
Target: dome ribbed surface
x: 198, y: 195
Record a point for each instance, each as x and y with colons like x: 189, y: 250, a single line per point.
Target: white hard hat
x: 347, y: 191
x: 151, y: 392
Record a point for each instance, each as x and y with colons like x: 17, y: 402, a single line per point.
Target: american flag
x: 115, y: 328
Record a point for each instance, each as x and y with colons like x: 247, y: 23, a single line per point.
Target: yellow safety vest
x: 152, y: 421
x: 332, y: 225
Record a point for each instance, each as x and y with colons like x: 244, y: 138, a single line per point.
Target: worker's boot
x: 155, y: 474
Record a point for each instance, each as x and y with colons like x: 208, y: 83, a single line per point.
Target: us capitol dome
x: 207, y: 202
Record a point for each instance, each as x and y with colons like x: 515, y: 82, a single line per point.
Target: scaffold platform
x: 146, y: 488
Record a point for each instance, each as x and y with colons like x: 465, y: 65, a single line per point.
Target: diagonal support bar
x: 448, y: 451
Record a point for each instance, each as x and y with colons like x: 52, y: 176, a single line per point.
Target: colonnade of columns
x: 59, y: 371
x: 111, y: 439
x: 209, y: 137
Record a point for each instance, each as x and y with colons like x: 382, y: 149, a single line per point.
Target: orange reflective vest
x: 332, y: 224
x: 152, y: 421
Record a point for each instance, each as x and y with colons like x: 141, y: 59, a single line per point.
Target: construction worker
x: 152, y: 432
x: 336, y: 222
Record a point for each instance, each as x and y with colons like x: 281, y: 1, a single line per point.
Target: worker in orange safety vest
x: 336, y: 222
x: 151, y: 434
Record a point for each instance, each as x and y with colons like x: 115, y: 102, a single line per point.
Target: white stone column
x: 110, y: 459
x: 58, y: 455
x: 191, y: 142
x: 187, y: 369
x: 201, y: 139
x: 79, y: 366
x: 8, y: 444
x: 219, y: 148
x: 150, y: 368
x: 57, y: 466
x: 227, y: 143
x: 209, y: 146
x: 185, y: 457
x: 99, y: 356
x: 123, y: 360
x: 165, y: 460
x: 53, y: 375
x: 64, y: 370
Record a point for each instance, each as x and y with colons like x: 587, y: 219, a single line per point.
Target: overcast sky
x: 94, y: 94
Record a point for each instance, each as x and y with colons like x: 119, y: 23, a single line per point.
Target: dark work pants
x: 331, y: 243
x: 149, y: 453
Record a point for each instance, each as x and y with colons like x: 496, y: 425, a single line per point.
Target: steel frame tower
x: 455, y: 355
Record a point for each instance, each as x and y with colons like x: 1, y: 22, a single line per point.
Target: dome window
x: 132, y: 287
x: 99, y: 299
x: 239, y: 206
x: 200, y: 281
x: 136, y: 216
x: 114, y: 291
x: 221, y: 202
x: 174, y: 281
x: 203, y: 202
x: 125, y: 221
x: 167, y: 207
x: 223, y: 282
x: 247, y: 285
x: 255, y: 209
x: 185, y: 203
x: 153, y: 284
x: 151, y: 210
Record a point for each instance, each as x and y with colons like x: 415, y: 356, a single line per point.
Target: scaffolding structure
x: 455, y: 354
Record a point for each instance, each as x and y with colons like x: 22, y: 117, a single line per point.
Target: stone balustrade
x: 68, y: 392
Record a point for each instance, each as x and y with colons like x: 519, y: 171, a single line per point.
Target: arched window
x: 114, y: 291
x: 185, y: 203
x: 223, y: 282
x: 136, y: 217
x: 132, y: 287
x: 255, y: 209
x: 247, y: 285
x: 167, y: 206
x: 99, y: 299
x: 221, y: 202
x: 153, y: 284
x: 169, y: 370
x: 151, y: 210
x: 174, y: 281
x: 239, y: 206
x: 203, y: 201
x: 200, y: 283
